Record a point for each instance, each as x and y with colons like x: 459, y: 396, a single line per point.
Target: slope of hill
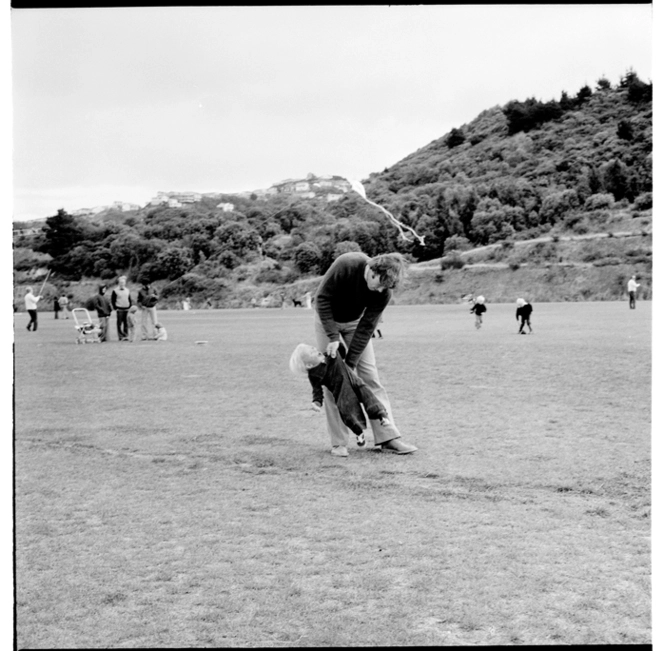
x: 529, y: 169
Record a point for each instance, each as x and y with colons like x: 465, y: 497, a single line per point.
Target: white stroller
x: 87, y: 330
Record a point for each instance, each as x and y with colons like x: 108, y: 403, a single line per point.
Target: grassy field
x: 169, y: 494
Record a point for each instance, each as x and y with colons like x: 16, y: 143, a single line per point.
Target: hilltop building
x: 306, y: 188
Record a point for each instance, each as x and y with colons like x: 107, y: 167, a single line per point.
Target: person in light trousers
x: 349, y: 303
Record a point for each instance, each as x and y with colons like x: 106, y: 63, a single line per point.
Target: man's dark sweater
x: 343, y: 296
x: 349, y: 391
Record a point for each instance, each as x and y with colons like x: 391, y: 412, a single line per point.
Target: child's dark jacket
x: 350, y: 392
x: 478, y: 308
x: 524, y: 311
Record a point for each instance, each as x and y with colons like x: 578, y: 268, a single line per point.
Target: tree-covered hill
x: 576, y: 165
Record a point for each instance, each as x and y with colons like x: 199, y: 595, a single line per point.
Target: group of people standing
x: 123, y: 304
x: 120, y: 301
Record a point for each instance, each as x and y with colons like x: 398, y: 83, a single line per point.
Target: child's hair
x: 296, y: 363
x: 133, y: 309
x: 390, y: 268
x: 158, y: 325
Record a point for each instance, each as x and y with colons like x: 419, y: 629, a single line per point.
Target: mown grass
x: 173, y: 494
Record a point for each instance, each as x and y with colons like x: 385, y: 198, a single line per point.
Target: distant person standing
x: 147, y: 302
x: 121, y: 302
x: 64, y: 303
x: 56, y: 307
x: 523, y: 311
x: 31, y: 306
x: 632, y: 286
x: 478, y: 310
x: 104, y: 309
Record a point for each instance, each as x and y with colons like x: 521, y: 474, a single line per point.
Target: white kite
x: 359, y: 188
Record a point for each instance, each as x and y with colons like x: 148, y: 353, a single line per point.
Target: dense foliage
x: 514, y: 171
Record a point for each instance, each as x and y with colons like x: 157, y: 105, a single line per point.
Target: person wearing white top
x: 31, y: 306
x: 632, y: 286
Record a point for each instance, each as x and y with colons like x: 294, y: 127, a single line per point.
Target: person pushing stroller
x: 350, y: 392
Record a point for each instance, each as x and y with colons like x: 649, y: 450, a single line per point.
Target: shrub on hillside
x: 452, y: 261
x: 643, y: 201
x: 598, y: 201
x: 581, y: 227
x: 543, y: 251
x: 307, y: 257
x: 275, y: 276
x: 457, y: 243
x: 557, y: 204
x: 455, y: 138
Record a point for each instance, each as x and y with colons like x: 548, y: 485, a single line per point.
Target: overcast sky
x: 118, y: 104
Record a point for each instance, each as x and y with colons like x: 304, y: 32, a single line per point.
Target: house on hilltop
x: 305, y: 187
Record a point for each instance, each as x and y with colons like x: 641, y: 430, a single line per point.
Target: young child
x: 160, y: 332
x: 350, y: 392
x: 523, y: 311
x: 478, y: 309
x: 131, y: 323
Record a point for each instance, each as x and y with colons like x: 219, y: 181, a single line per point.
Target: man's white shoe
x: 339, y: 451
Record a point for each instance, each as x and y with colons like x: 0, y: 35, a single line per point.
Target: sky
x: 116, y: 104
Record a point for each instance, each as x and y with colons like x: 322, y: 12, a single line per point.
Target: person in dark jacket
x: 349, y: 303
x: 350, y: 392
x: 478, y: 310
x: 104, y: 309
x: 523, y: 311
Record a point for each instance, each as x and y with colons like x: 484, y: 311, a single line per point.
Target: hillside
x: 530, y: 169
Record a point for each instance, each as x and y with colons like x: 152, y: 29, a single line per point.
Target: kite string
x: 400, y: 225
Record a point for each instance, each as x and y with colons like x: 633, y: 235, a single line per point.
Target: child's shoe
x: 361, y: 441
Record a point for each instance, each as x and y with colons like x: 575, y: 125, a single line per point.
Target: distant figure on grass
x: 349, y: 303
x: 478, y: 310
x: 349, y: 391
x: 523, y: 311
x: 147, y: 302
x: 632, y: 286
x: 104, y: 308
x: 64, y: 305
x: 56, y: 307
x: 161, y: 335
x: 31, y: 306
x: 307, y: 300
x: 186, y: 304
x: 121, y: 302
x: 132, y: 324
